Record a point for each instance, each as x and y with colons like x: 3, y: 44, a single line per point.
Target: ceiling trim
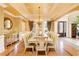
x: 22, y: 10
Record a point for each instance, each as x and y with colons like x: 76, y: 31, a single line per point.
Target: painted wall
x: 65, y: 18
x: 19, y: 26
x: 27, y: 25
x: 1, y: 21
x: 23, y: 28
x: 15, y: 27
x: 1, y: 30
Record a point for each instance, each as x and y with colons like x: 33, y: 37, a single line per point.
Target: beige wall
x: 1, y: 20
x: 15, y: 27
x: 24, y: 25
x: 1, y: 30
x: 27, y: 25
x: 19, y: 25
x: 64, y: 18
x: 69, y: 18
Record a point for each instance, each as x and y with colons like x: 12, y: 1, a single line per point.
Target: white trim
x: 3, y: 5
x: 7, y: 12
x: 2, y: 48
x: 39, y: 1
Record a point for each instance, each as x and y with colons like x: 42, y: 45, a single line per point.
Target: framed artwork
x: 7, y: 23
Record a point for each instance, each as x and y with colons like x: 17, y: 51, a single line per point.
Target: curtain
x: 49, y: 25
x: 30, y: 25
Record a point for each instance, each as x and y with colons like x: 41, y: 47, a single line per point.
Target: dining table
x: 35, y: 38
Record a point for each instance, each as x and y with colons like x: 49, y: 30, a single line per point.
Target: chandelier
x: 39, y: 22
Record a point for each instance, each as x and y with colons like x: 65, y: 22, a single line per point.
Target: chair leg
x: 47, y: 50
x: 33, y: 50
x: 24, y: 50
x: 45, y: 53
x: 36, y: 53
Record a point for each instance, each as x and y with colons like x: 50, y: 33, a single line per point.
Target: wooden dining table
x: 35, y: 38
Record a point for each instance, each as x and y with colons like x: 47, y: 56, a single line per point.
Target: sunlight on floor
x: 61, y: 46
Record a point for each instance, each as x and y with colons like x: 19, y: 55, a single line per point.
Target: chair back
x: 41, y: 42
x: 25, y: 41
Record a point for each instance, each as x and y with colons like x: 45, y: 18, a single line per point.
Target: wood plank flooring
x: 17, y: 49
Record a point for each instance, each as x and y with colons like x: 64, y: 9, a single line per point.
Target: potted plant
x: 77, y: 22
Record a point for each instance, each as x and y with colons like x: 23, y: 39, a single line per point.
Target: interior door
x: 62, y: 28
x: 73, y: 29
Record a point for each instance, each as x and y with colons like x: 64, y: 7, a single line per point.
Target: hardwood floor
x: 17, y: 49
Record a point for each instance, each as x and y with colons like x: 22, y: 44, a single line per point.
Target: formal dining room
x: 39, y: 29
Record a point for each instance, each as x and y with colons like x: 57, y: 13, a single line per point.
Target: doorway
x: 62, y: 28
x: 73, y: 30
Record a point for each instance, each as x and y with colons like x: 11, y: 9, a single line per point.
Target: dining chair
x: 27, y: 45
x: 52, y: 44
x: 41, y: 45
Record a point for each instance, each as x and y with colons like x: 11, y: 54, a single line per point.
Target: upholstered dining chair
x: 52, y: 44
x: 41, y: 45
x: 27, y: 45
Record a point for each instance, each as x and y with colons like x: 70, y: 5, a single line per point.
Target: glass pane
x: 60, y: 27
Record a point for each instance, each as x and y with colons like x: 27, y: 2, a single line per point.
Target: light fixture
x: 39, y: 22
x: 39, y: 14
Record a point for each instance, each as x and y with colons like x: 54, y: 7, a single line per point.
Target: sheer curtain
x: 45, y: 28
